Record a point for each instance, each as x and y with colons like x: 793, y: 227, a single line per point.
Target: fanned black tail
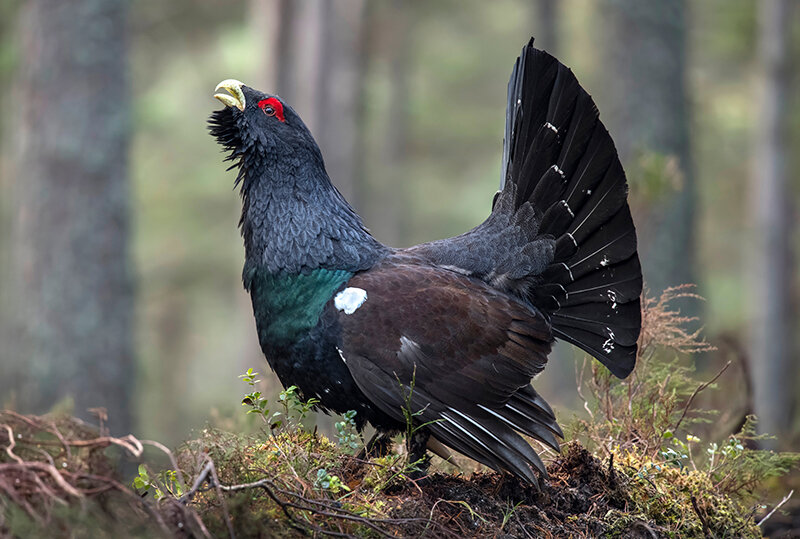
x: 561, y: 164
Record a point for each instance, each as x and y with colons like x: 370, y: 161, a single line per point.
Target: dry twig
x: 783, y: 501
x: 697, y: 391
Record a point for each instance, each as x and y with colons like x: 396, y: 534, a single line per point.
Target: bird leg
x: 417, y: 446
x: 378, y: 446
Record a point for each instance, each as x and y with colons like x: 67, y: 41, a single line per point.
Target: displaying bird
x: 450, y: 333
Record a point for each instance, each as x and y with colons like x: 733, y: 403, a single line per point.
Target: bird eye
x: 272, y: 107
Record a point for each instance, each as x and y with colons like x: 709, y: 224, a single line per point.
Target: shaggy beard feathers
x: 222, y: 126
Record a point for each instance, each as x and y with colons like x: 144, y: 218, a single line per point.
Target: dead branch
x: 11, y: 444
x: 51, y: 471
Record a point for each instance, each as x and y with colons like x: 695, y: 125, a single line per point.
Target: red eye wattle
x: 272, y: 107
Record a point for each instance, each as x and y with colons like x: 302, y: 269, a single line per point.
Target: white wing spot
x: 350, y: 299
x: 341, y: 355
x: 551, y: 127
x: 608, y: 346
x: 406, y: 345
x: 605, y: 261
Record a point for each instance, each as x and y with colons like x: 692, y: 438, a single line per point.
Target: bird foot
x: 378, y: 446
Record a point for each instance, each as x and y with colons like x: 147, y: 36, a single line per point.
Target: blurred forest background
x: 120, y: 258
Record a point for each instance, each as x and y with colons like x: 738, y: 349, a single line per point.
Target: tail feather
x: 620, y: 283
x: 560, y: 160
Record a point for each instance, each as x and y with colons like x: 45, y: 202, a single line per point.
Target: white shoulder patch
x: 350, y: 299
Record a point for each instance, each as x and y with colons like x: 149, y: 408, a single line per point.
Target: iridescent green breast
x: 288, y: 306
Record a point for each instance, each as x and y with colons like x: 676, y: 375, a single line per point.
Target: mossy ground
x: 270, y: 485
x: 640, y: 469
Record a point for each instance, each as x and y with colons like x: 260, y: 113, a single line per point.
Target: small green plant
x: 142, y: 481
x: 508, y: 513
x: 328, y: 482
x: 408, y: 412
x: 347, y: 432
x: 256, y: 402
x: 167, y: 483
x: 169, y: 478
x: 295, y: 407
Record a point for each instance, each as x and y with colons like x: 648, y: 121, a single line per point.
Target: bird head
x: 259, y: 129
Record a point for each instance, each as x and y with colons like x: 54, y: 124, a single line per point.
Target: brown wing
x: 460, y: 353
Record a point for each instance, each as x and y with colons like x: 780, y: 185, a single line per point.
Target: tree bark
x: 75, y: 283
x: 341, y: 96
x: 9, y: 361
x: 268, y: 18
x: 771, y: 263
x: 390, y: 44
x: 644, y: 45
x: 545, y: 14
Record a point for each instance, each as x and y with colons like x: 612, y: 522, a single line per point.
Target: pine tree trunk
x: 342, y: 95
x: 76, y: 293
x: 545, y: 15
x: 391, y: 44
x: 10, y: 365
x: 644, y: 46
x: 771, y: 262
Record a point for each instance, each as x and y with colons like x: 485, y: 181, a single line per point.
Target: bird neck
x: 294, y: 221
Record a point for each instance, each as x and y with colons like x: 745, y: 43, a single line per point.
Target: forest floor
x: 61, y: 478
x: 648, y: 461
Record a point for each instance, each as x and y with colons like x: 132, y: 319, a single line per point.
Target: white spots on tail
x: 612, y: 297
x: 609, y: 343
x: 605, y: 261
x: 571, y: 278
x: 551, y: 127
x: 566, y: 205
x: 350, y: 299
x: 558, y: 171
x: 572, y: 238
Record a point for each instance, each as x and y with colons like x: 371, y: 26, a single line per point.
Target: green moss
x: 684, y: 502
